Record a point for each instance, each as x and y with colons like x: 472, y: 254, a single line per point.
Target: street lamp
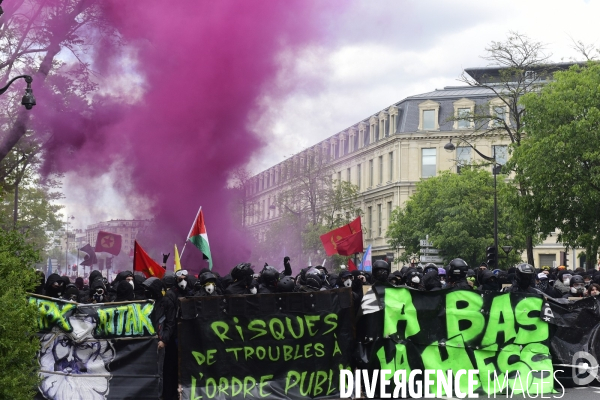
x: 450, y: 147
x: 28, y: 100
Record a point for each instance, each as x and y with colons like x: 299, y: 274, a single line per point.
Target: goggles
x: 181, y: 272
x: 99, y: 291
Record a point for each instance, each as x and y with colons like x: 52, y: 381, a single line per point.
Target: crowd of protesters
x: 242, y: 280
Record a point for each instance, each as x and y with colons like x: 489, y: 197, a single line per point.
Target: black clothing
x: 238, y: 287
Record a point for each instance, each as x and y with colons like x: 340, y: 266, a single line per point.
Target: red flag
x: 143, y: 263
x: 350, y: 244
x: 330, y: 239
x: 108, y: 243
x: 351, y: 266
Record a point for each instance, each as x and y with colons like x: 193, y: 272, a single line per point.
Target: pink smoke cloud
x: 204, y: 66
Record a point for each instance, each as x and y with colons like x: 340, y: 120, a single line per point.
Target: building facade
x: 387, y: 153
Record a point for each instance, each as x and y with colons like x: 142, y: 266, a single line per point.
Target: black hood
x: 155, y: 286
x: 93, y: 275
x: 431, y: 281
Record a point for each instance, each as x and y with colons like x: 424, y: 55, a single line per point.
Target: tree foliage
x: 18, y: 322
x: 457, y: 211
x: 560, y: 160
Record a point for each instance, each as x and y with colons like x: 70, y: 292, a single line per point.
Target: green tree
x: 560, y: 160
x: 456, y: 211
x: 18, y: 326
x: 519, y: 65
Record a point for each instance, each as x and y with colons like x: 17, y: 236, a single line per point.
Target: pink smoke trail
x: 204, y: 64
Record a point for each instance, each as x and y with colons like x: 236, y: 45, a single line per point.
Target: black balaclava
x: 55, y: 286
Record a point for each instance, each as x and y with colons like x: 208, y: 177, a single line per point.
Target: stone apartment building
x: 387, y: 153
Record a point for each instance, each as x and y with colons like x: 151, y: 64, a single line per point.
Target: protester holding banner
x: 242, y: 277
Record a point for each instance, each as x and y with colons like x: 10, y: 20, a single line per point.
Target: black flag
x: 91, y: 258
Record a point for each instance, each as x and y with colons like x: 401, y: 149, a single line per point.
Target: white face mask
x: 567, y: 282
x: 182, y: 284
x: 348, y: 283
x: 253, y: 290
x: 210, y: 288
x: 132, y: 284
x: 415, y: 279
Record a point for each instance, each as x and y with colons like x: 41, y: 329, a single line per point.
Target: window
x: 379, y: 217
x: 375, y: 133
x: 333, y: 150
x: 355, y: 147
x: 428, y: 120
x: 389, y: 213
x: 348, y: 175
x: 370, y: 222
x: 370, y: 173
x: 463, y: 157
x: 499, y: 115
x: 366, y: 139
x: 347, y: 145
x: 359, y: 176
x: 342, y: 146
x: 463, y: 114
x: 392, y: 124
x: 428, y: 162
x: 391, y: 165
x: 501, y: 153
x: 380, y: 170
x: 339, y: 176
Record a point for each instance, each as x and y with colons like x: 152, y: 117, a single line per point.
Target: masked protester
x: 381, y: 271
x: 562, y: 282
x: 577, y: 287
x: 269, y: 277
x: 55, y: 286
x: 98, y: 292
x: 241, y: 276
x: 457, y: 274
x: 442, y: 276
x: 163, y: 319
x: 413, y: 279
x: 124, y: 292
x: 309, y: 280
x: 394, y: 279
x: 169, y: 280
x: 206, y: 285
x: 431, y: 279
x: 182, y: 287
x: 542, y: 283
x: 524, y: 279
x: 253, y: 286
x: 488, y: 282
x: 71, y: 293
x: 286, y: 285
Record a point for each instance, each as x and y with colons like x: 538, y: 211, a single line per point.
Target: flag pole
x: 191, y: 229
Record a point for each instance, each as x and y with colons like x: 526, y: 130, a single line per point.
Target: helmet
x: 286, y: 284
x: 241, y: 271
x: 430, y: 267
x: 577, y: 279
x: 381, y: 270
x: 269, y: 275
x: 169, y: 279
x: 381, y: 264
x: 313, y: 281
x: 457, y: 268
x: 441, y: 272
x: 205, y: 277
x: 524, y: 274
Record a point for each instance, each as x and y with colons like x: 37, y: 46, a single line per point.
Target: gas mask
x: 567, y: 279
x: 132, y: 283
x: 99, y: 295
x: 182, y: 284
x: 210, y: 288
x: 253, y: 290
x: 415, y: 279
x: 577, y: 288
x: 348, y: 283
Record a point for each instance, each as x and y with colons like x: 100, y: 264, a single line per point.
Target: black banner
x: 276, y: 346
x: 96, y: 352
x: 502, y: 335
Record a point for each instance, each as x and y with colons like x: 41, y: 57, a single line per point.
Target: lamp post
x: 28, y: 100
x: 450, y: 147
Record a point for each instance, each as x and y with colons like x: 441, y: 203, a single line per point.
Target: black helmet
x: 381, y: 264
x: 430, y: 267
x: 524, y: 274
x: 576, y: 279
x: 313, y: 281
x: 269, y: 275
x: 241, y: 272
x: 457, y: 268
x: 286, y: 284
x: 169, y: 279
x: 205, y: 277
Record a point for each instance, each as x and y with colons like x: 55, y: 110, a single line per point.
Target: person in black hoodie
x: 241, y: 276
x: 55, y: 286
x: 163, y: 319
x: 124, y: 292
x: 97, y: 292
x: 431, y: 279
x: 488, y: 281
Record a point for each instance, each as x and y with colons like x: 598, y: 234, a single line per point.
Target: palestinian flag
x: 199, y: 239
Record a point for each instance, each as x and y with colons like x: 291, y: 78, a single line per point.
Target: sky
x: 371, y: 54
